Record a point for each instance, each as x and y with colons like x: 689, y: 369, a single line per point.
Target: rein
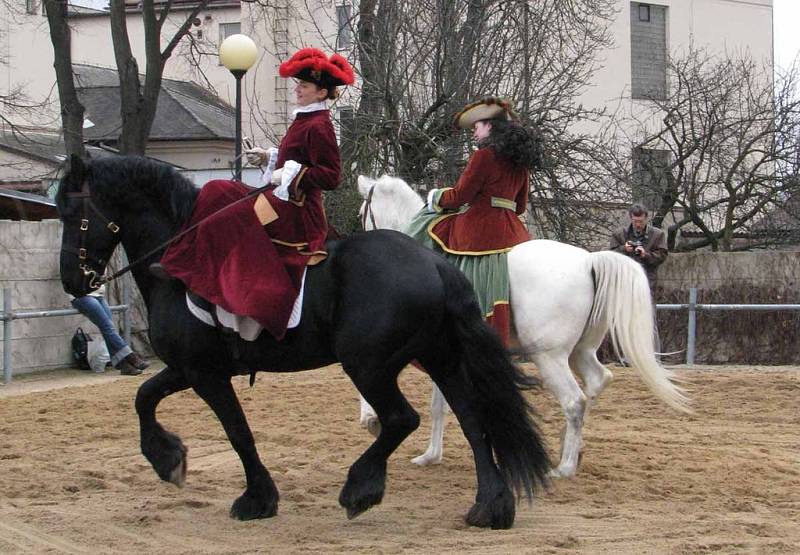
x: 81, y: 252
x: 368, y: 210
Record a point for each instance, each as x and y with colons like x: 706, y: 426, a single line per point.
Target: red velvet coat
x: 230, y: 260
x: 301, y: 223
x: 496, y: 192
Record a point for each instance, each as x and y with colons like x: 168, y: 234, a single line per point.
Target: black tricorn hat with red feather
x: 311, y: 64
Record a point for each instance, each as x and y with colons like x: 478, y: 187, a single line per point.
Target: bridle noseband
x: 85, y: 259
x: 368, y: 210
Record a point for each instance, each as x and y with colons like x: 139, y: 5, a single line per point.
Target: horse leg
x: 494, y: 502
x: 366, y: 479
x: 438, y: 414
x: 559, y: 379
x: 595, y: 376
x: 163, y: 449
x: 260, y: 498
x: 369, y: 419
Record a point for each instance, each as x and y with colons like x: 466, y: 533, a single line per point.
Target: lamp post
x: 238, y: 53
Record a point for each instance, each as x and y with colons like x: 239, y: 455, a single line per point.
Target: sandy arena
x: 72, y: 479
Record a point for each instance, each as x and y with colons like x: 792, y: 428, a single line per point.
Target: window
x: 228, y: 29
x: 651, y: 175
x: 31, y: 7
x: 648, y: 51
x: 344, y: 37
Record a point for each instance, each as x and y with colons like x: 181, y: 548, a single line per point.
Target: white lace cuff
x: 289, y: 173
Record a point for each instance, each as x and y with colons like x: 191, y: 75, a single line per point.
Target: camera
x: 636, y: 243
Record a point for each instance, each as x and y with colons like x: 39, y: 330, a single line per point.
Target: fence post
x: 690, y: 339
x: 126, y: 314
x: 6, y: 335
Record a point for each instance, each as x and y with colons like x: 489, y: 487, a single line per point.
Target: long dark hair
x: 519, y: 145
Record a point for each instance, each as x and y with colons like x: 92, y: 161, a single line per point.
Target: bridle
x: 368, y: 210
x: 95, y: 277
x: 85, y: 259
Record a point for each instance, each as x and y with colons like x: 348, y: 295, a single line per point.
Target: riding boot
x: 159, y: 271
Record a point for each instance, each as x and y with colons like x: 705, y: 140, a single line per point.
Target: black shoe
x: 158, y: 270
x: 127, y: 369
x: 136, y: 361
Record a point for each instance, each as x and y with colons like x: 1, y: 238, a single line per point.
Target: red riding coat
x: 250, y: 269
x: 496, y: 192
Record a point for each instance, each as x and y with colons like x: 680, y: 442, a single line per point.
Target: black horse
x: 379, y: 301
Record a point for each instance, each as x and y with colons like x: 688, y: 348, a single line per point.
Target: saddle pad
x: 247, y: 328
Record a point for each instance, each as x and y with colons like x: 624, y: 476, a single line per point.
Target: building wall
x: 720, y: 25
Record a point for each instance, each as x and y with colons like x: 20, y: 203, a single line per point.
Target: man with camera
x: 646, y: 244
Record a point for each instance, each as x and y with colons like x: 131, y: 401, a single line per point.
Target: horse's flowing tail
x: 622, y: 301
x: 505, y: 415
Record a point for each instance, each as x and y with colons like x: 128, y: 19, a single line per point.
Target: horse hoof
x: 425, y: 460
x: 249, y: 508
x: 561, y: 473
x: 498, y: 515
x: 364, y: 488
x: 178, y: 474
x: 374, y: 426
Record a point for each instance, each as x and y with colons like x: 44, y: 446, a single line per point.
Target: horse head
x: 90, y: 229
x: 121, y: 199
x: 389, y: 202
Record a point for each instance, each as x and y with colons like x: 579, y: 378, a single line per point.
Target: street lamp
x: 238, y: 53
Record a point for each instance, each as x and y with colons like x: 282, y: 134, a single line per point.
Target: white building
x: 634, y: 67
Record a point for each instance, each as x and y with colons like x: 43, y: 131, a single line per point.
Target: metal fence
x: 9, y: 315
x: 693, y: 308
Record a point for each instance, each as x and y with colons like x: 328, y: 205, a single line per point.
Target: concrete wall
x: 29, y: 253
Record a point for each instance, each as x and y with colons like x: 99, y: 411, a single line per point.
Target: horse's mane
x: 126, y: 180
x: 401, y: 192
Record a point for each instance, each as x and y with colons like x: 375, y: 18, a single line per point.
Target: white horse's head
x: 389, y: 202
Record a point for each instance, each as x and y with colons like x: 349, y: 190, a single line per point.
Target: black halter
x: 85, y: 259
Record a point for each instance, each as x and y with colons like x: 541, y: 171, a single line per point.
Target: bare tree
x: 421, y: 61
x: 718, y: 157
x: 138, y: 100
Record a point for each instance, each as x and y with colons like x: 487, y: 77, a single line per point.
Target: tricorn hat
x: 491, y: 107
x: 311, y: 64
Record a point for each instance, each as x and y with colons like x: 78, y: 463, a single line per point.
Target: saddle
x: 233, y: 324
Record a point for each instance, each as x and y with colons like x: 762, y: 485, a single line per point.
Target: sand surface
x: 726, y: 480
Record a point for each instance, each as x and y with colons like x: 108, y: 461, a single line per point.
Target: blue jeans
x: 97, y: 311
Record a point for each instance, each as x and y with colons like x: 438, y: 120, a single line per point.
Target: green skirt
x: 488, y: 273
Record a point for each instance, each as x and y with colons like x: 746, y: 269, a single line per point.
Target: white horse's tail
x: 622, y: 301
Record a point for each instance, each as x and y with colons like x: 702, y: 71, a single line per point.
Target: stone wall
x: 29, y: 254
x: 746, y: 337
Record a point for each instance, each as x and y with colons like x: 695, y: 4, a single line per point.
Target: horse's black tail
x: 505, y: 415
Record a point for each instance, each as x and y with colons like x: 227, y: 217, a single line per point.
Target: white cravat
x: 313, y: 107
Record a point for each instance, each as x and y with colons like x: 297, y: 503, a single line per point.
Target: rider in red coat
x: 250, y: 257
x: 476, y: 222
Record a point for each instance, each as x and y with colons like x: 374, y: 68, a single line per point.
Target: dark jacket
x: 654, y: 242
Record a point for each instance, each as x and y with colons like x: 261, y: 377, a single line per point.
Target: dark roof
x: 40, y: 146
x: 16, y: 205
x: 185, y: 110
x: 135, y: 6
x: 45, y: 147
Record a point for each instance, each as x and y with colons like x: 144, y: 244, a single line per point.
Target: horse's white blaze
x: 561, y: 314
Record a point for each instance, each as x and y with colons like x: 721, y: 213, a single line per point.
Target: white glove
x: 276, y: 176
x: 258, y: 156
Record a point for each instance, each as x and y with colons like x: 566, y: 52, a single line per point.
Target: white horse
x: 563, y: 302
